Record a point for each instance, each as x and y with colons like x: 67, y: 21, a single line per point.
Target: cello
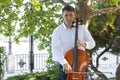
x: 78, y: 59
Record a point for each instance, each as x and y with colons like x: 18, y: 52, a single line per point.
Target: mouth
x: 69, y: 22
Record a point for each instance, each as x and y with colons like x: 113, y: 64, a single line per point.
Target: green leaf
x: 5, y: 2
x: 36, y: 4
x: 18, y: 2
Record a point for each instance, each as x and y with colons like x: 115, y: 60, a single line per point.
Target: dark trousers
x: 62, y: 74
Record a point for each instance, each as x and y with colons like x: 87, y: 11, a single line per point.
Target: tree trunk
x: 118, y: 73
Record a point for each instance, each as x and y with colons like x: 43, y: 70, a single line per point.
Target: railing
x: 107, y: 59
x: 21, y: 62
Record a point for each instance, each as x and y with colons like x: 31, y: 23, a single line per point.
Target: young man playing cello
x: 63, y: 40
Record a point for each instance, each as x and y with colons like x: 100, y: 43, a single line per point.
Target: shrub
x: 2, y: 60
x: 52, y: 73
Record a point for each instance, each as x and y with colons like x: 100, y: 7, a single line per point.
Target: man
x: 63, y: 39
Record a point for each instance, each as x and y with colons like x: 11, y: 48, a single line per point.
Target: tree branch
x: 106, y: 10
x: 105, y: 50
x: 97, y: 71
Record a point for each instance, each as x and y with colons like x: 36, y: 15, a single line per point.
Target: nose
x: 69, y: 17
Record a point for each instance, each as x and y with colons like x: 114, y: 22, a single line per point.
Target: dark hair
x: 68, y: 8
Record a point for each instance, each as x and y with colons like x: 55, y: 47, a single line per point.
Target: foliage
x: 105, y: 27
x: 40, y: 18
x: 104, y: 30
x: 2, y: 59
x: 51, y: 74
x: 24, y: 20
x: 100, y: 4
x: 8, y: 20
x: 2, y: 50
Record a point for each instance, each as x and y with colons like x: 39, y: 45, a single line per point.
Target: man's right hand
x: 67, y: 68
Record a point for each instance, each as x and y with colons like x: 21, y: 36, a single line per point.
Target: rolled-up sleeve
x: 90, y: 42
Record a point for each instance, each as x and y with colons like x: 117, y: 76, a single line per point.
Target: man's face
x: 68, y: 17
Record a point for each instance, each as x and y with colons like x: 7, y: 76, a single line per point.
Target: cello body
x: 83, y: 63
x: 78, y: 59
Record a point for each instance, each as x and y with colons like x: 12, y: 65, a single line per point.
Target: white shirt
x: 63, y: 39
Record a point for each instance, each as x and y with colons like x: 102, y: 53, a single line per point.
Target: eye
x: 71, y: 15
x: 66, y: 15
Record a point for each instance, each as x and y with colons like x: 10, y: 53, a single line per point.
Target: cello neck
x: 75, y: 61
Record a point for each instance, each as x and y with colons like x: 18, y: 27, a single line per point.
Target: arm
x: 90, y: 43
x: 86, y: 40
x: 57, y: 49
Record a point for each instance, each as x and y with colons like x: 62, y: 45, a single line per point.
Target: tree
x: 38, y: 19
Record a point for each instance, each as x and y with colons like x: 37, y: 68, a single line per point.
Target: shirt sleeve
x: 57, y: 49
x: 90, y: 42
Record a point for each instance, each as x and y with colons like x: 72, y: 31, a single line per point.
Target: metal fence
x: 107, y: 59
x: 21, y: 61
x: 22, y: 64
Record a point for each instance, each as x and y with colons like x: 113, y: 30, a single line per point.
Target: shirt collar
x: 64, y: 26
